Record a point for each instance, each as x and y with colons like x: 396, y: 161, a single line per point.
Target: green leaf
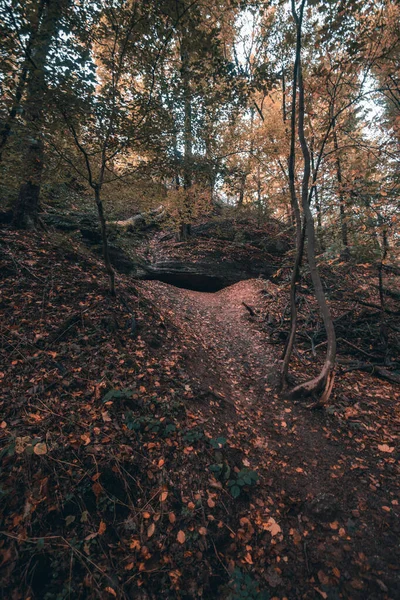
x: 235, y: 491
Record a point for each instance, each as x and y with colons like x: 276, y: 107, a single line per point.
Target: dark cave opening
x: 194, y: 281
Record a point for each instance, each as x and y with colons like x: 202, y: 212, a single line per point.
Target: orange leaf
x: 272, y: 526
x: 385, y: 448
x: 181, y: 537
x: 163, y: 496
x: 151, y: 529
x: 40, y: 449
x: 171, y: 517
x: 102, y: 527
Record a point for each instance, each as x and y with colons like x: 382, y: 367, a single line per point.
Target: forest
x: 199, y: 299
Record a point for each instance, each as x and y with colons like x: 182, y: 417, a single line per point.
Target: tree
x: 27, y: 205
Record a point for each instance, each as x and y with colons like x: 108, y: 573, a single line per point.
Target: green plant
x: 218, y: 442
x: 245, y: 477
x: 193, y: 435
x: 117, y: 395
x: 149, y: 424
x: 245, y: 587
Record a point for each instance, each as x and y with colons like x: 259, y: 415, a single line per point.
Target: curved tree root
x: 322, y: 383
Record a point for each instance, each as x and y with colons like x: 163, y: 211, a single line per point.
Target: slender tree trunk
x: 185, y: 227
x: 27, y: 207
x: 384, y: 251
x: 300, y: 231
x: 242, y: 190
x: 315, y: 189
x: 284, y: 115
x: 342, y: 203
x: 7, y: 127
x: 210, y: 168
x: 103, y: 228
x: 324, y: 381
x: 259, y: 196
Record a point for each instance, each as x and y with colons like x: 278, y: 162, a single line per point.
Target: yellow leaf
x: 40, y: 449
x: 181, y: 537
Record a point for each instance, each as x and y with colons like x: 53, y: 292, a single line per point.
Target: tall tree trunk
x: 242, y: 190
x: 185, y: 227
x: 315, y: 190
x: 103, y: 228
x: 259, y: 195
x: 7, y: 127
x: 324, y: 381
x: 210, y: 167
x: 384, y: 251
x: 342, y: 202
x: 300, y: 231
x: 27, y: 206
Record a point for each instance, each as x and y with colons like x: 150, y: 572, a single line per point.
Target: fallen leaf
x: 385, y: 448
x: 272, y: 526
x: 40, y: 449
x: 324, y: 579
x: 151, y: 529
x: 102, y: 527
x: 181, y: 537
x: 163, y: 496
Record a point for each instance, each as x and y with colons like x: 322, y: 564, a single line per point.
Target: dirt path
x: 324, y: 485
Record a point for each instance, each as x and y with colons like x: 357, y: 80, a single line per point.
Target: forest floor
x: 328, y: 472
x: 146, y: 454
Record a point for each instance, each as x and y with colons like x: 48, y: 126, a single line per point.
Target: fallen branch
x: 251, y: 310
x: 375, y: 370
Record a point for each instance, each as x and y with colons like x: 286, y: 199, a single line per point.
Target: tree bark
x: 185, y: 226
x: 103, y: 227
x: 27, y: 206
x: 7, y: 127
x: 324, y: 381
x: 242, y: 190
x: 315, y: 189
x: 300, y: 231
x: 342, y: 202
